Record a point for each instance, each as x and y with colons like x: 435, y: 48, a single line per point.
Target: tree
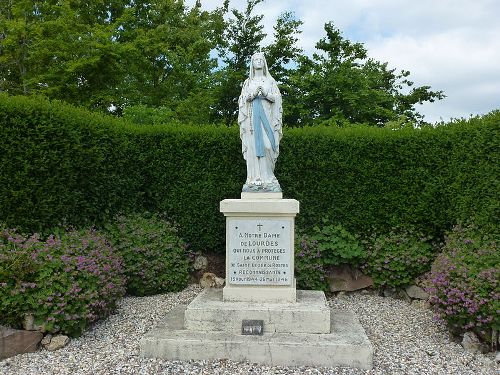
x: 16, y: 21
x: 160, y: 54
x: 167, y: 53
x: 62, y: 49
x: 110, y: 52
x: 283, y: 52
x: 243, y: 37
x: 341, y: 84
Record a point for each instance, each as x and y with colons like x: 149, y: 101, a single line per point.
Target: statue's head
x: 258, y: 62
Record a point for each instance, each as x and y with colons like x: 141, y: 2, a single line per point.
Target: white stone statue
x: 259, y: 118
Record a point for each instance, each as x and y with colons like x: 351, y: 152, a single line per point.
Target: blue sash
x: 259, y: 117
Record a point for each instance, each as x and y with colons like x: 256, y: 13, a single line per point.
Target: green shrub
x: 376, y: 178
x: 62, y: 164
x: 65, y: 282
x: 464, y: 282
x: 336, y: 245
x: 154, y: 256
x: 329, y: 245
x: 395, y: 259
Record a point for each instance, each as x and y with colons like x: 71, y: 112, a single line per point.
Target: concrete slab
x: 259, y: 207
x: 261, y: 195
x: 309, y: 314
x: 347, y: 345
x: 259, y: 294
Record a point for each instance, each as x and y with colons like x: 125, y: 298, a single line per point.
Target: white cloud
x: 462, y: 62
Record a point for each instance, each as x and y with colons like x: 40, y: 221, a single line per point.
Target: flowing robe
x: 259, y: 119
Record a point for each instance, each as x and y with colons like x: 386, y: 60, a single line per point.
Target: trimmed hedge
x: 371, y: 178
x: 59, y: 163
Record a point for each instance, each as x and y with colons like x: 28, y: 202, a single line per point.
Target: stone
x: 208, y: 280
x: 260, y: 294
x: 57, y: 342
x: 14, y: 341
x: 345, y: 278
x: 200, y: 263
x: 46, y: 340
x: 219, y: 282
x: 497, y: 357
x: 396, y: 294
x: 256, y: 206
x: 420, y: 304
x: 470, y: 342
x: 415, y: 292
x: 259, y: 119
x: 216, y: 264
x: 259, y: 249
x: 347, y: 345
x: 29, y: 324
x: 261, y: 195
x: 209, y: 312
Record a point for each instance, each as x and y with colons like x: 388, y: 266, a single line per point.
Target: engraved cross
x: 260, y: 225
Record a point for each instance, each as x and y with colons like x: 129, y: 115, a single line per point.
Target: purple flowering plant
x: 464, y: 282
x: 66, y: 282
x: 309, y: 270
x: 155, y: 257
x: 396, y: 258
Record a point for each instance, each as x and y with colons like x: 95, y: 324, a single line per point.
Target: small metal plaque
x: 252, y: 327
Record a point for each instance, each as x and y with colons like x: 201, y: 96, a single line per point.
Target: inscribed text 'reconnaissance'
x: 259, y: 252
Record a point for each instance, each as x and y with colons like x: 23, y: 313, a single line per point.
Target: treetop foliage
x: 188, y: 63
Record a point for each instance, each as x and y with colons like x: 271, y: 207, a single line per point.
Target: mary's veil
x: 265, y: 71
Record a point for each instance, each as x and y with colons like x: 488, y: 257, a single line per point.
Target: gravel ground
x: 405, y: 338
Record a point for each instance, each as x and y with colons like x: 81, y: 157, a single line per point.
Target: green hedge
x: 59, y: 163
x: 63, y: 165
x: 370, y: 177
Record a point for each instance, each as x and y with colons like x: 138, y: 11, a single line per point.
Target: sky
x: 450, y: 45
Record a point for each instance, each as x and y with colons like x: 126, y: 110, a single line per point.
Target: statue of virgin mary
x: 259, y: 119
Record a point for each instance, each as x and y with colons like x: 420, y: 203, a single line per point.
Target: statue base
x: 264, y: 187
x: 260, y: 316
x: 273, y: 195
x: 292, y: 334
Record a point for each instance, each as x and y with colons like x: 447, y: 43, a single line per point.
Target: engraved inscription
x: 260, y: 252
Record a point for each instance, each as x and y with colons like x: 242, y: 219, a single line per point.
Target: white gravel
x: 405, y: 338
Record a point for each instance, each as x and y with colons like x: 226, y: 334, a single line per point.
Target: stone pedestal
x: 259, y: 248
x: 209, y: 312
x: 211, y: 337
x: 260, y: 316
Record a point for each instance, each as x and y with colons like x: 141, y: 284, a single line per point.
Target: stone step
x: 347, y: 345
x: 260, y: 294
x: 309, y: 314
